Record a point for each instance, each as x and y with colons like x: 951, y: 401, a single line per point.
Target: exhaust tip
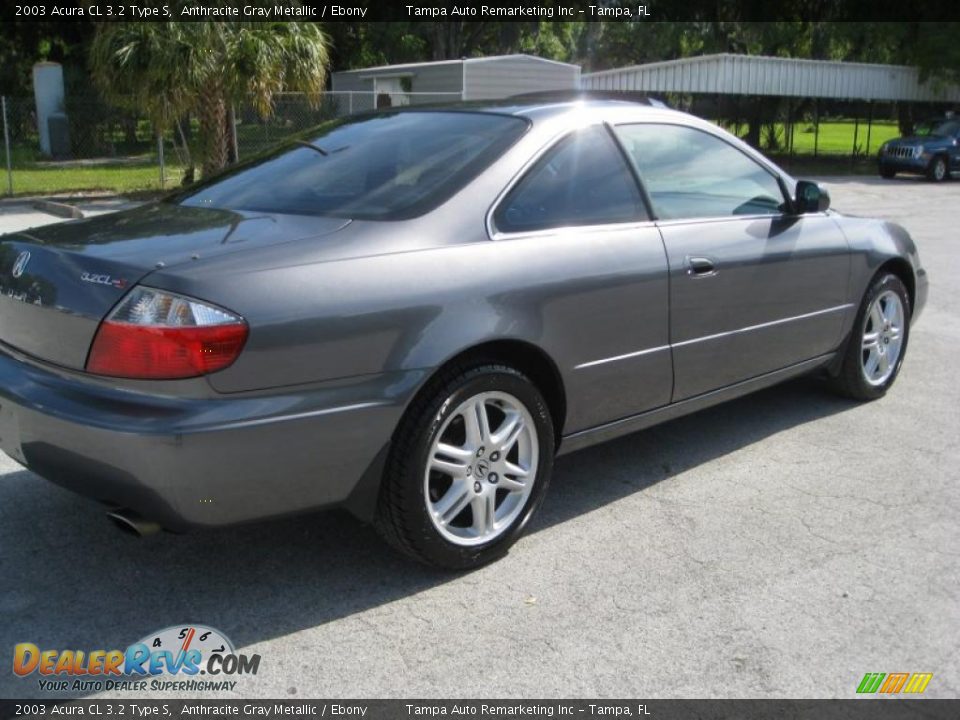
x: 130, y: 523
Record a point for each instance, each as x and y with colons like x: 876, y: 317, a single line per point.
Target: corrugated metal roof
x: 728, y: 74
x: 410, y: 67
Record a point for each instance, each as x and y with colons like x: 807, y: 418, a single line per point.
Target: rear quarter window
x: 582, y: 180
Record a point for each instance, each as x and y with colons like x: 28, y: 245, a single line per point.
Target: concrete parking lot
x: 780, y: 545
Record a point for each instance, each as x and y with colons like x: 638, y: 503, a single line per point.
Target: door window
x: 689, y: 173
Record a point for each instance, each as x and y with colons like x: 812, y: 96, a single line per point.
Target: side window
x: 583, y: 180
x: 689, y: 174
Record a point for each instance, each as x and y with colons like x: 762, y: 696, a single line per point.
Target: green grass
x: 33, y: 175
x: 113, y: 178
x: 835, y: 137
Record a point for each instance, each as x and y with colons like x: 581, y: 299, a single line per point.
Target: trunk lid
x: 59, y: 281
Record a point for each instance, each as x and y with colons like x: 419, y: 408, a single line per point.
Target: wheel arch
x: 530, y: 359
x: 899, y: 267
x: 903, y: 270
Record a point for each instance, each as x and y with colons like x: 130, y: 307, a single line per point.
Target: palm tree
x: 168, y: 70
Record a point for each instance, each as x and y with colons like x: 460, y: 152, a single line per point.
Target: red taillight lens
x: 160, y: 336
x: 132, y: 351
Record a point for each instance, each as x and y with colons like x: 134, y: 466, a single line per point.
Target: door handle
x: 701, y: 267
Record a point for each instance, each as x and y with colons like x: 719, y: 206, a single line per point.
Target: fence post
x: 160, y: 156
x: 6, y: 145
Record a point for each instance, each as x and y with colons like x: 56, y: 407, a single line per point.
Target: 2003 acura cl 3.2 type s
x: 408, y: 314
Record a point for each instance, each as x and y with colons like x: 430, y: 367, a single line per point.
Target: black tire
x: 402, y: 514
x: 937, y: 169
x: 887, y: 173
x: 851, y: 381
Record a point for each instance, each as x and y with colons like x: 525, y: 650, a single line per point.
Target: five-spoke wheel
x: 878, y: 341
x: 882, y: 338
x: 468, y: 467
x: 481, y: 468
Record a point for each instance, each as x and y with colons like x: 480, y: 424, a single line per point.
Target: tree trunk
x: 905, y: 118
x: 214, y: 140
x: 228, y: 126
x: 754, y: 118
x: 130, y: 131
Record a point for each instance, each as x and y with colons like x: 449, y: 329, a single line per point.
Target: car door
x: 753, y: 287
x: 597, y: 265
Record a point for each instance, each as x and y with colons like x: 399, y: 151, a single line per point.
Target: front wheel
x: 878, y: 341
x: 468, y: 467
x: 937, y: 170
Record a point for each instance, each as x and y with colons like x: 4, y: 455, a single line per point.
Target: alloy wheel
x: 882, y: 338
x: 939, y: 169
x: 481, y: 468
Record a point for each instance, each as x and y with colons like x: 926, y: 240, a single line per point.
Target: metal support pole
x: 816, y: 126
x: 160, y: 158
x: 790, y: 111
x: 6, y: 146
x: 737, y: 111
x: 856, y: 133
x: 869, y: 126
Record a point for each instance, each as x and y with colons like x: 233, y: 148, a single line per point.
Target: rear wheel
x: 469, y: 466
x: 887, y: 173
x: 937, y: 170
x: 878, y: 342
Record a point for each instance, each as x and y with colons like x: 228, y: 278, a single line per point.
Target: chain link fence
x: 98, y: 146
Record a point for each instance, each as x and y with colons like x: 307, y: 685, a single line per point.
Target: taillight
x: 158, y: 335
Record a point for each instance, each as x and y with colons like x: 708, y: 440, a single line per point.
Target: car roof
x: 546, y: 104
x: 613, y: 107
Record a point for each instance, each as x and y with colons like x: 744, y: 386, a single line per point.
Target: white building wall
x: 438, y: 78
x: 785, y: 77
x: 501, y: 77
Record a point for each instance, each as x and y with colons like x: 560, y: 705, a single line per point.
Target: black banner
x: 485, y: 11
x: 863, y: 709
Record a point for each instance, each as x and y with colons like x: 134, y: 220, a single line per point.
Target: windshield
x: 380, y: 167
x: 943, y: 128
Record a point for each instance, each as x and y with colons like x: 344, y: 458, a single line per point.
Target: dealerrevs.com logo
x: 182, y: 652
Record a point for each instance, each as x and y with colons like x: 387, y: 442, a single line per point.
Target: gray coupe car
x: 409, y: 314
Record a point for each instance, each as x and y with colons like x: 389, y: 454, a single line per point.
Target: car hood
x: 921, y: 140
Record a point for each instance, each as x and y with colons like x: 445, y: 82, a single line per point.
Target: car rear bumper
x: 199, y: 461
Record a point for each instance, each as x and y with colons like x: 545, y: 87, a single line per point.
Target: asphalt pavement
x: 783, y: 544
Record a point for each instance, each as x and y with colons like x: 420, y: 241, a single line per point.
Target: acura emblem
x: 20, y: 264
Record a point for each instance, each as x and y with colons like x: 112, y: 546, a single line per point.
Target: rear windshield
x: 380, y: 167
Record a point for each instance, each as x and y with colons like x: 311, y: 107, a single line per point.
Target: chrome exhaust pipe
x: 131, y: 523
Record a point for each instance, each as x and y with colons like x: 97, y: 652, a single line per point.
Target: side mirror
x: 811, y: 198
